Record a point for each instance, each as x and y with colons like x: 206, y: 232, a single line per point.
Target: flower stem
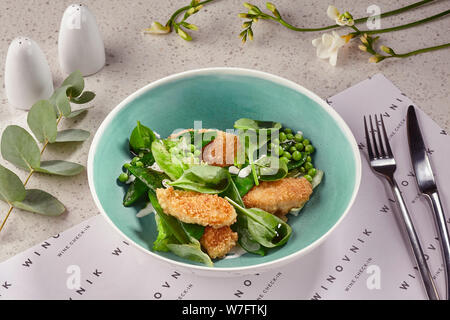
x: 179, y: 11
x: 412, y: 53
x: 383, y: 15
x: 404, y: 26
x: 29, y: 176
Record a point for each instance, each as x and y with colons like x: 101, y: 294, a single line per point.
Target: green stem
x: 412, y: 53
x: 404, y: 26
x: 176, y: 13
x: 383, y: 15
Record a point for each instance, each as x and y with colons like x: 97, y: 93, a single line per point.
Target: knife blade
x: 419, y: 157
x: 427, y: 186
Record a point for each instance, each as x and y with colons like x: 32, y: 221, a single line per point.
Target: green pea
x: 297, y: 155
x: 276, y: 141
x: 299, y: 146
x: 271, y: 146
x: 286, y: 160
x: 280, y: 150
x: 141, y: 154
x: 135, y: 159
x: 306, y: 142
x: 139, y: 164
x: 290, y: 136
x: 192, y: 148
x: 298, y: 137
x: 126, y: 165
x: 123, y: 177
x: 287, y: 155
x: 197, y: 152
x: 308, y: 159
x: 312, y: 172
x: 309, y: 148
x: 287, y: 130
x: 308, y: 165
x: 308, y: 177
x: 292, y: 149
x: 282, y: 136
x: 302, y: 169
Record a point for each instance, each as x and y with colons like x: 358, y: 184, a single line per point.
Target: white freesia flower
x: 344, y: 19
x: 328, y: 46
x: 157, y: 28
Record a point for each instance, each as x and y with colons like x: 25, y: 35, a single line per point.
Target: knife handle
x: 441, y: 224
x: 425, y: 274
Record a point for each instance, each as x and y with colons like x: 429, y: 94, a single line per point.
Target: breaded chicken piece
x: 222, y: 150
x: 195, y: 207
x: 219, y: 152
x: 218, y: 242
x: 278, y: 197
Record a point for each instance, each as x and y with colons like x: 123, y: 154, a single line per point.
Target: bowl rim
x: 241, y: 72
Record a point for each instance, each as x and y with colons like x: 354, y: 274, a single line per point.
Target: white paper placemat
x: 366, y: 257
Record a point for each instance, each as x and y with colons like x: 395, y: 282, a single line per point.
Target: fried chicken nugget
x: 278, y: 197
x: 222, y: 150
x: 219, y: 152
x: 195, y: 207
x: 218, y: 242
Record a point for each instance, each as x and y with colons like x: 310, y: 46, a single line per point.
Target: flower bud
x: 387, y: 50
x: 376, y: 58
x: 157, y: 28
x: 184, y: 35
x: 271, y: 7
x: 362, y: 48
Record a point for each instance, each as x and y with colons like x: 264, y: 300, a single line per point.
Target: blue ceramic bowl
x: 218, y: 97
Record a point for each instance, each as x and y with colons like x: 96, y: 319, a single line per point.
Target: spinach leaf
x: 151, y: 178
x: 194, y: 230
x: 171, y: 165
x: 245, y: 239
x: 191, y: 251
x: 245, y: 124
x: 164, y: 237
x: 135, y: 191
x: 141, y: 138
x: 204, y: 179
x: 243, y: 185
x: 265, y: 228
x: 271, y: 168
x: 232, y: 192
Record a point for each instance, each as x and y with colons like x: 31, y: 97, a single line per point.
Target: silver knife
x: 427, y: 186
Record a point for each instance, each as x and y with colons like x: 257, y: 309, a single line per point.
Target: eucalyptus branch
x: 255, y: 13
x: 177, y: 26
x: 20, y: 148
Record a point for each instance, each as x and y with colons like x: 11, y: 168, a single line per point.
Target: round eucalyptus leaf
x: 74, y: 83
x: 20, y: 148
x: 60, y: 168
x: 61, y: 102
x: 85, y: 97
x: 40, y: 202
x: 76, y: 113
x: 11, y: 187
x: 72, y: 135
x: 42, y: 121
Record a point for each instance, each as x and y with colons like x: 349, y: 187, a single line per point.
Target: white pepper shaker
x: 80, y: 45
x: 27, y: 74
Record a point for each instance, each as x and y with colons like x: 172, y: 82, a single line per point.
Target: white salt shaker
x: 80, y: 45
x: 27, y: 74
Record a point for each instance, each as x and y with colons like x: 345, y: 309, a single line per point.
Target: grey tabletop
x: 134, y: 59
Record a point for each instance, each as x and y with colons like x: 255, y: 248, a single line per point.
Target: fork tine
x: 369, y: 145
x: 386, y: 139
x: 380, y: 140
x: 377, y: 154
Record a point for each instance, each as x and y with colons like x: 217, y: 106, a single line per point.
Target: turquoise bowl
x: 217, y: 97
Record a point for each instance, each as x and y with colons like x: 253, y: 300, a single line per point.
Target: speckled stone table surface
x: 134, y: 59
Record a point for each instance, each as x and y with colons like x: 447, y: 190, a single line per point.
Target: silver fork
x: 382, y: 162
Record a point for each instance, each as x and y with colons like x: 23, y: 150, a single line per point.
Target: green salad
x: 213, y: 192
